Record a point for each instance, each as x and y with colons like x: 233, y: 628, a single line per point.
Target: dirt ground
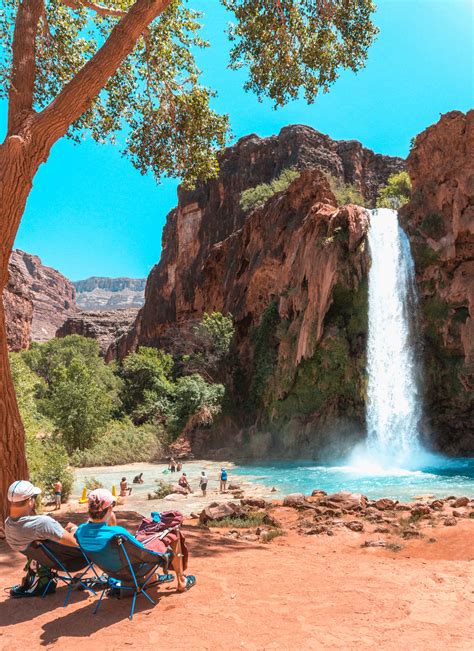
x: 296, y: 592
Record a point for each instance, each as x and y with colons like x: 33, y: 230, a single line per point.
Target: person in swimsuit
x: 58, y: 492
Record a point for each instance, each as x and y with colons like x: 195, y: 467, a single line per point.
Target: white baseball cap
x: 21, y: 490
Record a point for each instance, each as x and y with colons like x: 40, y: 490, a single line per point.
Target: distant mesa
x: 105, y: 294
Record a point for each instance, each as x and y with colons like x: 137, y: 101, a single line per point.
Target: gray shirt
x: 20, y: 532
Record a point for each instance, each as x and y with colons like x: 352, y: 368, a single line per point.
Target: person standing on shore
x: 58, y: 492
x: 223, y: 480
x: 203, y: 483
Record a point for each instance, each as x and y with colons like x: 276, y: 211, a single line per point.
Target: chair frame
x: 139, y: 583
x: 67, y: 578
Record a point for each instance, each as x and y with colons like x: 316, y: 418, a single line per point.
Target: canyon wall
x: 103, y: 326
x: 292, y: 273
x: 37, y: 300
x: 439, y: 221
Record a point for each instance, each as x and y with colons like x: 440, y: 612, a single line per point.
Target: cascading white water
x: 393, y: 404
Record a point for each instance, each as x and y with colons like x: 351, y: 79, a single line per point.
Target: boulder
x: 293, y: 499
x: 219, y: 511
x: 176, y: 488
x: 385, y: 503
x: 437, y: 505
x: 346, y: 501
x: 355, y: 525
x: 254, y: 501
x: 318, y: 493
x: 411, y: 533
x: 450, y: 522
x: 460, y: 501
x: 421, y: 511
x: 271, y: 521
x: 232, y: 486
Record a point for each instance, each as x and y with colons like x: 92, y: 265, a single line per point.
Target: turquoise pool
x: 441, y: 477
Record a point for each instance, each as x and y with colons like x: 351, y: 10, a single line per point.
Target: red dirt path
x: 298, y: 592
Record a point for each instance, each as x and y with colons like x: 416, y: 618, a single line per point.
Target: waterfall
x: 393, y: 409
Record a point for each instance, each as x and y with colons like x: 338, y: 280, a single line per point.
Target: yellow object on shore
x: 83, y: 498
x: 114, y: 491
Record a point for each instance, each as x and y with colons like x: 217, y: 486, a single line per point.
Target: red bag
x: 157, y: 536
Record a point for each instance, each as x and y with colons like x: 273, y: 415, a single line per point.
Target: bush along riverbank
x: 80, y: 411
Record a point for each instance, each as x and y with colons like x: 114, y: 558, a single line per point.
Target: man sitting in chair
x: 94, y: 535
x: 23, y: 527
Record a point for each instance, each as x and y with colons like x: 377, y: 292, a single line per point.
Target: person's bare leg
x: 177, y: 564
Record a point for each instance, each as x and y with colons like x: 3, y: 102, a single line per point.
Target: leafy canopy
x: 396, y: 193
x: 155, y: 96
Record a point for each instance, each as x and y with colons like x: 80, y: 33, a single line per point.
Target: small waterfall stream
x: 393, y: 408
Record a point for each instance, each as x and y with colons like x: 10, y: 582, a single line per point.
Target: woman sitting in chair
x: 94, y: 535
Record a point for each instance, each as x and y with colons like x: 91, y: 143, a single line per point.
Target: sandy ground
x: 297, y: 592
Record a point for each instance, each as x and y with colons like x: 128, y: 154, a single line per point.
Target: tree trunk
x: 16, y: 172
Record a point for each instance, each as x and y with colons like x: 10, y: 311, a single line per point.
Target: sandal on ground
x: 190, y: 581
x: 165, y: 578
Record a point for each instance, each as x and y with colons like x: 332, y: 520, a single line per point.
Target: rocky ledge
x: 380, y: 523
x: 103, y: 326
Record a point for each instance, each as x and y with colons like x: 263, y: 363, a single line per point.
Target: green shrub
x: 48, y: 461
x: 265, y: 353
x: 161, y: 490
x: 345, y: 192
x: 91, y: 483
x: 122, y: 442
x: 255, y: 197
x: 424, y: 256
x: 192, y: 394
x: 396, y: 193
x: 436, y: 309
x: 78, y: 405
x: 147, y: 384
x: 433, y: 225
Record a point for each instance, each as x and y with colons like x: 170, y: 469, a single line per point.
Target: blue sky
x: 91, y: 213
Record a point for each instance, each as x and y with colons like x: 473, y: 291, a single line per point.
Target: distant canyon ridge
x: 293, y: 273
x: 41, y: 303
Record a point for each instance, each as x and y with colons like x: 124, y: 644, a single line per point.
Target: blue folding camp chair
x: 128, y: 565
x: 68, y: 564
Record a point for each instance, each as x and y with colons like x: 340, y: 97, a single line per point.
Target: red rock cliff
x: 292, y: 271
x: 211, y: 213
x: 440, y: 223
x: 37, y: 300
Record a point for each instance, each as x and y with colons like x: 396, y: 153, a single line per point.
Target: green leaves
x: 294, y: 45
x: 396, y: 193
x: 155, y: 97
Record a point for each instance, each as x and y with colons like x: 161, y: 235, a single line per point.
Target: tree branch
x: 20, y: 97
x: 77, y: 96
x: 99, y: 9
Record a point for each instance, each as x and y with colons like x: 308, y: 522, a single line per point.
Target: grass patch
x: 273, y: 533
x: 255, y: 197
x: 243, y: 522
x: 393, y: 547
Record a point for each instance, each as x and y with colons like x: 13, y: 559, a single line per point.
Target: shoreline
x: 192, y: 503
